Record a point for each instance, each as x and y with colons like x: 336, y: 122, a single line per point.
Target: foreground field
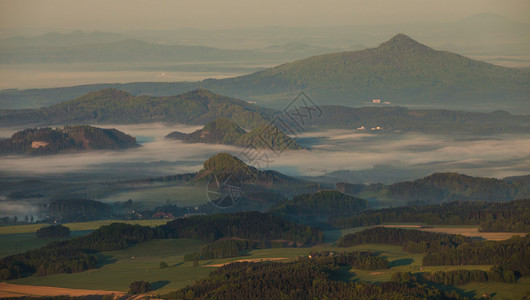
x: 15, y: 290
x: 19, y: 238
x: 92, y: 225
x: 117, y: 269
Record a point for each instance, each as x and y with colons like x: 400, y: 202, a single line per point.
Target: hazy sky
x: 208, y: 14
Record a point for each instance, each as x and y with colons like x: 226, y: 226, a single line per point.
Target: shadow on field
x: 400, y: 262
x: 105, y: 260
x: 159, y: 284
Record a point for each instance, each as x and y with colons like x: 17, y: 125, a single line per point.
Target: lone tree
x: 53, y: 231
x: 139, y: 287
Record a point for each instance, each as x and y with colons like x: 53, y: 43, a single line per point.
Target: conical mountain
x: 401, y: 70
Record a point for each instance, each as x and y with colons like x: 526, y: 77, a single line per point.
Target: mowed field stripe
x: 10, y: 290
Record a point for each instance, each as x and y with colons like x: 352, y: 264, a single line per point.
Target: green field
x: 92, y: 225
x: 149, y: 198
x: 117, y: 269
x: 19, y: 238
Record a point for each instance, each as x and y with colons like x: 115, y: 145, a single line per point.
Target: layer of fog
x: 330, y: 151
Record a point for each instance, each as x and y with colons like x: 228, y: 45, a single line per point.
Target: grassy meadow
x: 117, y: 269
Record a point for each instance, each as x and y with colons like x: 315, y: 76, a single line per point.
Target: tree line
x: 77, y: 255
x: 507, y: 257
x: 513, y: 216
x: 301, y: 279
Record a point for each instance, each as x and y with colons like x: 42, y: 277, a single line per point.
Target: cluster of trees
x: 511, y: 255
x: 221, y: 249
x: 455, y: 187
x: 73, y: 255
x: 76, y: 255
x: 301, y: 279
x: 361, y: 260
x: 510, y: 258
x: 513, y: 216
x: 455, y: 277
x: 139, y: 287
x: 319, y: 206
x: 78, y: 210
x: 55, y: 258
x: 53, y: 231
x: 407, y: 238
x: 253, y: 226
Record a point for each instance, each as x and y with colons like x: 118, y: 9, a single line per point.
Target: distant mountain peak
x: 402, y: 42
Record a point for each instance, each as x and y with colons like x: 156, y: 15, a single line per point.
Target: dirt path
x: 249, y: 260
x: 18, y: 290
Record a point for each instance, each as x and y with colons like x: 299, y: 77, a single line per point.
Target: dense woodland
x: 53, y: 231
x: 254, y: 226
x: 301, y: 279
x: 513, y: 216
x: 316, y: 209
x: 507, y: 257
x: 445, y: 187
x: 77, y: 254
x: 37, y: 141
x: 78, y: 210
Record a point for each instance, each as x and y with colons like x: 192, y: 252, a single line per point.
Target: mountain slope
x: 400, y: 70
x: 66, y: 139
x: 219, y: 131
x: 112, y: 105
x: 223, y: 131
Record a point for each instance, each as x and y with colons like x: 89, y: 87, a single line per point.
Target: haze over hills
x: 201, y: 107
x: 401, y: 71
x: 111, y: 105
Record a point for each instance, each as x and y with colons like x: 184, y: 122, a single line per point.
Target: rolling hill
x: 224, y: 131
x: 401, y: 70
x: 111, y: 105
x: 66, y: 139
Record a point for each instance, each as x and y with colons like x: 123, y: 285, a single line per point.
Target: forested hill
x: 116, y: 106
x: 400, y: 70
x: 224, y: 131
x: 444, y: 187
x: 66, y: 139
x: 436, y: 121
x: 318, y: 208
x: 225, y: 166
x: 513, y: 216
x: 454, y: 186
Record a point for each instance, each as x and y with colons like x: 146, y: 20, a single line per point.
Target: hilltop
x: 318, y: 208
x: 442, y: 187
x: 66, y: 139
x: 400, y: 70
x: 112, y: 105
x: 223, y: 131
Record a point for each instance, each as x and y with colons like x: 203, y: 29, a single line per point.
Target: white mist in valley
x: 333, y: 150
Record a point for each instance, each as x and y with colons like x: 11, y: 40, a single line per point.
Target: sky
x: 123, y: 15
